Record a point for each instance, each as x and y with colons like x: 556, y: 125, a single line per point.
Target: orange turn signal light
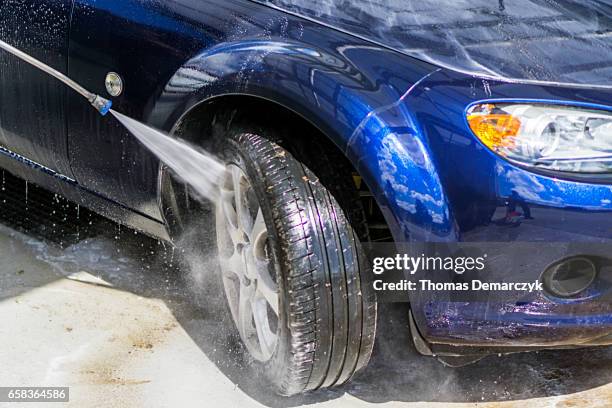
x: 495, y: 130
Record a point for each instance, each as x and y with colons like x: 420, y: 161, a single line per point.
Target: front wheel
x: 292, y: 266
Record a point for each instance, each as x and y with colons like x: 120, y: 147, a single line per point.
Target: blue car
x: 338, y: 123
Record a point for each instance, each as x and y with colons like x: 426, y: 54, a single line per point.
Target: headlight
x: 552, y: 137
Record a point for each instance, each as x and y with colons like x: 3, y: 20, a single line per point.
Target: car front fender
x: 354, y: 93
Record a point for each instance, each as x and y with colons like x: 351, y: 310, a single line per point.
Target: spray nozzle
x: 102, y: 105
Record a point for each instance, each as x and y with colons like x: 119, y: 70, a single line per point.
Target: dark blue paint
x: 399, y: 120
x: 32, y: 106
x: 564, y: 41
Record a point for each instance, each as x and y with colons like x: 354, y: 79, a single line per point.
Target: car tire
x: 326, y: 312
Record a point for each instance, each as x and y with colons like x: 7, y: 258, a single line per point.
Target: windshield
x: 543, y: 40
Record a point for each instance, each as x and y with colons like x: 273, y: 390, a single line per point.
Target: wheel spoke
x: 258, y: 227
x: 267, y: 288
x: 240, y: 189
x: 227, y: 202
x: 245, y: 313
x: 264, y: 334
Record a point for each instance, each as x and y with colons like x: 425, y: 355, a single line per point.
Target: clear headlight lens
x: 552, y: 137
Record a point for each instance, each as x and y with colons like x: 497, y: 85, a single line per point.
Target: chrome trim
x: 35, y: 165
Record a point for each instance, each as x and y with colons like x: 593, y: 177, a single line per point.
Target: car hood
x: 559, y: 41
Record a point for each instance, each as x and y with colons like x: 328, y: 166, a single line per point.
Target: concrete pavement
x: 125, y: 321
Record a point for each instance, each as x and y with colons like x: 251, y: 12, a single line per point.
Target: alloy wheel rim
x: 247, y: 271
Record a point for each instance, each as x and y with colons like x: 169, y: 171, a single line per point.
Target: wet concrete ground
x: 107, y: 312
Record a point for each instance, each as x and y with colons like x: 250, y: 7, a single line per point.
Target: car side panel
x: 177, y: 54
x: 32, y: 103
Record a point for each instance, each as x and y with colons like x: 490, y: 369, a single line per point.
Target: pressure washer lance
x: 101, y: 104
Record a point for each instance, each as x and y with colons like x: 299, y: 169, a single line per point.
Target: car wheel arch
x: 196, y: 128
x: 350, y: 100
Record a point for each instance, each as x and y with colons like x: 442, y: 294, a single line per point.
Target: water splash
x: 199, y: 169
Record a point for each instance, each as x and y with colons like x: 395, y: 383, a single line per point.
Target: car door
x: 33, y: 104
x: 147, y: 44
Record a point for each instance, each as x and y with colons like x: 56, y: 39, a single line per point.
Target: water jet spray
x: 101, y: 104
x: 195, y: 167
